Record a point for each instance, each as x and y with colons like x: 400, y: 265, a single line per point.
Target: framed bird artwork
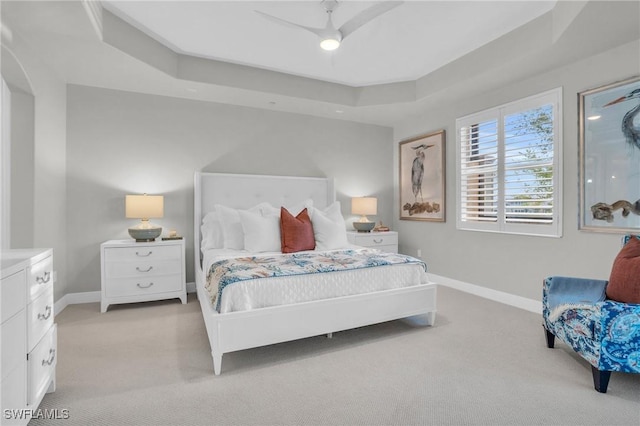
x: 609, y: 134
x: 422, y: 177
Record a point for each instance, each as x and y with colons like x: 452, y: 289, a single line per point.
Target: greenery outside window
x: 509, y: 167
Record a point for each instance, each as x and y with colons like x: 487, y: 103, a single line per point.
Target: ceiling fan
x: 330, y: 36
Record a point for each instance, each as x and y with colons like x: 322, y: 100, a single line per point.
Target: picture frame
x: 422, y: 177
x: 609, y: 157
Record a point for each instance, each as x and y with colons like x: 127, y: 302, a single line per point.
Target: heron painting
x: 610, y: 157
x: 630, y: 128
x: 422, y: 177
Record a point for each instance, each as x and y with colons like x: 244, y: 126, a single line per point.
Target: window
x: 509, y: 167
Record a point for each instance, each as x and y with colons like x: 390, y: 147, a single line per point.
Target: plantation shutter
x: 509, y: 172
x: 528, y: 170
x: 479, y: 172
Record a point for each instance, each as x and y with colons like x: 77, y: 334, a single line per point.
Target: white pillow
x: 261, y: 232
x: 232, y: 232
x: 296, y: 208
x: 328, y: 227
x: 211, y: 231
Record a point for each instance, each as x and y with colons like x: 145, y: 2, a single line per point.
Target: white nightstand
x: 385, y: 241
x: 141, y: 272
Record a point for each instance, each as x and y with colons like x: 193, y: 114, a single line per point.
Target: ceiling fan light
x: 330, y: 44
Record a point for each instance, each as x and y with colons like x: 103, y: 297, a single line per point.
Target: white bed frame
x: 235, y: 331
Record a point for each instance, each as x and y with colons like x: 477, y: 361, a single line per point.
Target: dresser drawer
x: 42, y: 365
x: 125, y: 287
x: 143, y: 268
x: 40, y: 277
x: 14, y: 343
x: 13, y: 295
x: 40, y: 317
x: 146, y: 252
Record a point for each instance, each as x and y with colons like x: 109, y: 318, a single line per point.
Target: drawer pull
x: 44, y: 279
x: 378, y: 241
x: 143, y: 270
x: 47, y: 315
x: 144, y: 286
x: 52, y: 356
x: 144, y: 255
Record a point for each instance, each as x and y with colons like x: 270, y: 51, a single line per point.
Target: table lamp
x: 364, y: 206
x: 144, y: 207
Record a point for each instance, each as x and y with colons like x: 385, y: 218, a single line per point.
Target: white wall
x: 122, y: 143
x: 512, y: 263
x: 41, y: 123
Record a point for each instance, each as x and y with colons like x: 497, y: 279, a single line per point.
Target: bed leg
x: 329, y: 335
x: 431, y: 318
x: 217, y: 362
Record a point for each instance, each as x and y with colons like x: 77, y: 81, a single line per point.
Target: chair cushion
x: 624, y: 282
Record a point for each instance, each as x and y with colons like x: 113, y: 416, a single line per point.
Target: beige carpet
x: 483, y: 363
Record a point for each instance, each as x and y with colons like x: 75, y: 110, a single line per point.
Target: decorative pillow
x: 328, y: 227
x: 232, y: 232
x: 211, y: 230
x: 261, y: 233
x: 296, y: 232
x: 624, y: 282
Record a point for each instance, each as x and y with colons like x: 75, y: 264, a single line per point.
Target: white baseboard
x: 74, y: 299
x: 531, y: 305
x: 495, y: 295
x: 91, y: 297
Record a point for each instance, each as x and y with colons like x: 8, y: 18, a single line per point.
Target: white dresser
x: 385, y: 241
x: 141, y: 272
x: 29, y: 340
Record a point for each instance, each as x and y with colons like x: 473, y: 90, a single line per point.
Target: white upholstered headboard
x: 244, y: 191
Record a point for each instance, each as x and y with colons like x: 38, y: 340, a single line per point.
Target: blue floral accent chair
x: 604, y: 332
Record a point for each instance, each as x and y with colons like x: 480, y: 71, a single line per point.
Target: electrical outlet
x: 419, y: 253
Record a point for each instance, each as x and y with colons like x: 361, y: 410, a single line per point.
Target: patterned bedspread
x: 226, y: 272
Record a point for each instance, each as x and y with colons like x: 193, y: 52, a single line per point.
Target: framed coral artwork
x: 609, y: 126
x: 422, y: 177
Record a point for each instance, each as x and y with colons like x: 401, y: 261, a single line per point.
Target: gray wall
x: 513, y: 263
x: 125, y: 143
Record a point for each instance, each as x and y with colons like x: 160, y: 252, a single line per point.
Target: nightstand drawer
x: 39, y: 317
x: 375, y: 239
x: 146, y: 252
x: 40, y: 277
x: 143, y: 268
x: 125, y: 287
x: 384, y: 241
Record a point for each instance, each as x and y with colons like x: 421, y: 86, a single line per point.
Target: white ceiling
x: 429, y: 52
x: 404, y: 44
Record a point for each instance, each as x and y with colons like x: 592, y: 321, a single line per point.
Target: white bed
x: 233, y: 331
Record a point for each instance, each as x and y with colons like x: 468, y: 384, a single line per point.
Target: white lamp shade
x: 144, y: 206
x: 364, y: 205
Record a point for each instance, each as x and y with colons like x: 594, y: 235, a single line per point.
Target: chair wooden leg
x: 600, y: 379
x: 551, y: 339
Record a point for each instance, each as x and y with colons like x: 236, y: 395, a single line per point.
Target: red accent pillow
x: 296, y: 233
x: 624, y: 282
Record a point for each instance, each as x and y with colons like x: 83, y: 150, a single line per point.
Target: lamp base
x: 145, y: 235
x: 364, y: 226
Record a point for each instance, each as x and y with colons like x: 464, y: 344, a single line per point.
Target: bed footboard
x: 243, y: 330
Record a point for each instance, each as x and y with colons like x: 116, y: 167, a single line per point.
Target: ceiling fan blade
x: 367, y: 15
x: 316, y: 31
